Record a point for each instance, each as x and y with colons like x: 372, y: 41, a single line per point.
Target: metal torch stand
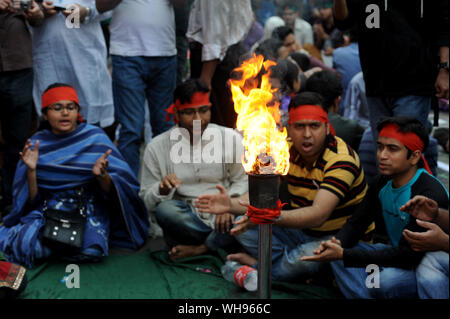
x: 263, y: 193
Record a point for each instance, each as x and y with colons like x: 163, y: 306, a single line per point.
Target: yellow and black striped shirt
x: 338, y: 170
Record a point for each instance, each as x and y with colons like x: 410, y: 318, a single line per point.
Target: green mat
x: 152, y: 275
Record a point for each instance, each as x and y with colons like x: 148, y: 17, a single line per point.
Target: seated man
x: 325, y: 184
x: 170, y: 181
x: 329, y: 86
x: 432, y: 272
x: 402, y: 176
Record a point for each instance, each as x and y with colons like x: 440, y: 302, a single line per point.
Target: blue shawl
x: 66, y: 162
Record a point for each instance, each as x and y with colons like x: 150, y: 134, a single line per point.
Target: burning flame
x: 266, y: 147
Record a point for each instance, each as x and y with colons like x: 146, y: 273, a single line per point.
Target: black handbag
x: 66, y: 227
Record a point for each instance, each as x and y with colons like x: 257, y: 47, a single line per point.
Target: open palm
x: 214, y: 203
x: 30, y: 156
x: 422, y: 208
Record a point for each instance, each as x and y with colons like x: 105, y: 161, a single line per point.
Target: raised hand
x: 101, y: 165
x: 422, y: 208
x: 168, y: 183
x: 6, y: 5
x: 34, y: 13
x: 49, y: 8
x: 30, y: 156
x: 214, y: 203
x: 71, y: 8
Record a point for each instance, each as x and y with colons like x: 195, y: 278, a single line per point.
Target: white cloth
x: 196, y: 178
x: 303, y: 31
x: 75, y: 56
x: 143, y: 28
x: 218, y: 24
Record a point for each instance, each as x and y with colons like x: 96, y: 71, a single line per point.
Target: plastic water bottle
x: 244, y: 276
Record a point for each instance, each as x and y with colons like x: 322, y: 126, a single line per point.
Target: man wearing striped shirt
x: 325, y: 185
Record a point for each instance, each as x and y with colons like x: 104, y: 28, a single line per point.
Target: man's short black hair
x: 287, y: 72
x: 302, y: 60
x: 269, y: 49
x: 282, y: 32
x: 327, y: 84
x: 407, y: 124
x: 57, y: 85
x: 186, y: 90
x: 306, y: 98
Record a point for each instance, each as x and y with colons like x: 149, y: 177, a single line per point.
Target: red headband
x: 411, y: 140
x: 60, y: 94
x: 198, y: 99
x: 309, y: 112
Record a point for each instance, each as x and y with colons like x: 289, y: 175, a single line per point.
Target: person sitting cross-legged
x: 404, y: 174
x: 74, y: 194
x: 174, y: 174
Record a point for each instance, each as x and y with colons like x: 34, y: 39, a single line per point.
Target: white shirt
x: 143, y: 28
x: 218, y: 24
x: 197, y: 178
x: 75, y: 56
x: 303, y: 32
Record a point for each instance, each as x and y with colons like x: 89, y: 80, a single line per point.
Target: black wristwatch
x: 443, y: 65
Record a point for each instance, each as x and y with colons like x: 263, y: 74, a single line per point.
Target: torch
x: 263, y: 194
x: 266, y: 154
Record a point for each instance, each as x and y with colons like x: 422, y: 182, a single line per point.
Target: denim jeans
x: 181, y: 226
x: 432, y: 276
x: 417, y: 107
x: 134, y: 80
x: 393, y: 282
x: 16, y: 103
x: 288, y: 246
x: 412, y: 106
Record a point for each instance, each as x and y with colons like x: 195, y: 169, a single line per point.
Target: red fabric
x: 261, y: 216
x: 310, y: 112
x: 198, y: 99
x: 60, y: 94
x: 411, y: 140
x: 11, y: 275
x: 5, y: 268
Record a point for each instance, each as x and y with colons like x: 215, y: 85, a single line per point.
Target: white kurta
x: 197, y: 178
x: 218, y: 24
x: 75, y: 56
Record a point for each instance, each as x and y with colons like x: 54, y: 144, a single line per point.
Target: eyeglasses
x: 59, y: 107
x: 191, y: 111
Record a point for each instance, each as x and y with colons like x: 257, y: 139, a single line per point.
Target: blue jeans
x: 181, y: 226
x: 16, y: 104
x: 417, y: 107
x: 432, y: 276
x: 288, y: 246
x: 134, y: 80
x: 412, y: 106
x: 393, y: 282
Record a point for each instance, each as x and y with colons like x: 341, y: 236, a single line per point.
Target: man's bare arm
x: 313, y: 216
x: 106, y: 5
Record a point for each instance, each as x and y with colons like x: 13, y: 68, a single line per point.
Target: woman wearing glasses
x: 74, y: 195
